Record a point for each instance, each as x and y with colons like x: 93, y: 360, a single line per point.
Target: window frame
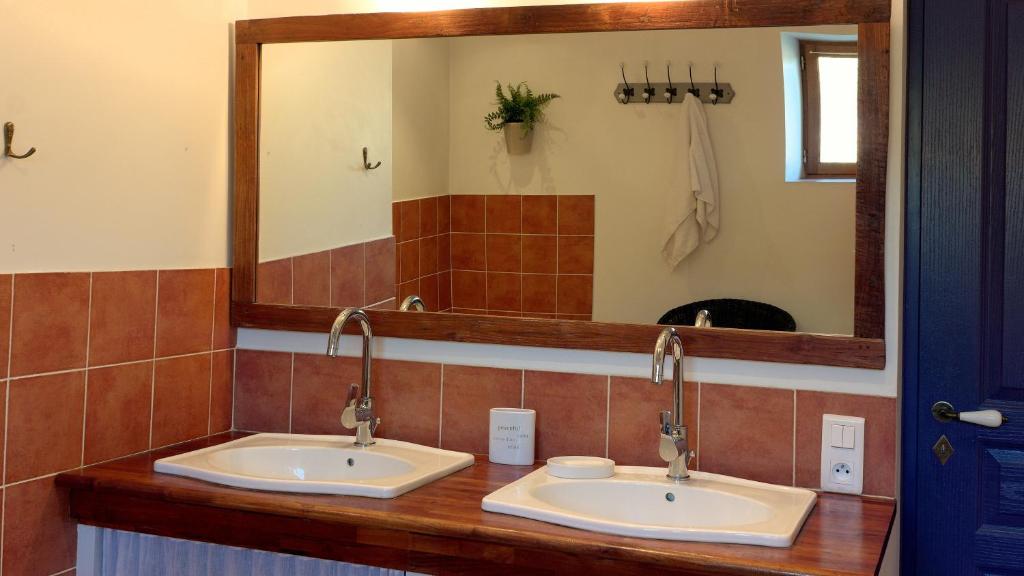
x: 810, y: 52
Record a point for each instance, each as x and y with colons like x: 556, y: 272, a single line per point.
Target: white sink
x: 317, y: 464
x: 642, y: 502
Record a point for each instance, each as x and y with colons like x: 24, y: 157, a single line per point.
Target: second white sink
x: 642, y: 502
x: 317, y: 464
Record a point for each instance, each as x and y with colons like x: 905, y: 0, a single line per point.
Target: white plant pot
x: 516, y: 141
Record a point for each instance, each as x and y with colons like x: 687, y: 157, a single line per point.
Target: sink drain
x: 351, y: 462
x: 670, y: 497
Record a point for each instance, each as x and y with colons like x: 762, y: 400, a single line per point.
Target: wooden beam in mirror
x: 252, y: 310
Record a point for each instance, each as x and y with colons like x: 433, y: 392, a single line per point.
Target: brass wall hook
x: 366, y: 162
x: 9, y: 141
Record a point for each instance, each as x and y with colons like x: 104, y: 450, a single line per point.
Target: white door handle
x: 944, y: 412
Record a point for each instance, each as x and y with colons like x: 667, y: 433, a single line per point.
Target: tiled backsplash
x: 506, y: 255
x: 95, y: 366
x: 361, y: 274
x: 767, y: 434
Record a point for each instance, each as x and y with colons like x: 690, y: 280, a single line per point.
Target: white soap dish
x: 579, y: 467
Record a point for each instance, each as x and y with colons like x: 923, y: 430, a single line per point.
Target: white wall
x: 320, y: 104
x: 788, y: 244
x: 420, y: 112
x: 128, y: 104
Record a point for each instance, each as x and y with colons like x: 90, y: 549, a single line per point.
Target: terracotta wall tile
x: 321, y: 385
x: 263, y: 383
x: 540, y: 214
x: 504, y: 253
x: 444, y: 252
x: 504, y: 214
x: 407, y: 398
x: 467, y: 213
x: 747, y: 432
x: 396, y: 221
x: 429, y: 292
x: 539, y: 293
x: 444, y: 214
x: 444, y: 291
x: 410, y: 219
x: 575, y: 294
x: 274, y: 282
x: 224, y: 334
x: 181, y: 399
x: 380, y: 270
x: 504, y: 291
x: 348, y: 275
x: 428, y: 216
x: 3, y: 417
x: 469, y: 394
x: 879, y: 416
x: 40, y: 537
x: 468, y: 252
x: 572, y: 412
x: 184, y: 323
x: 575, y: 254
x: 406, y: 289
x: 222, y: 382
x: 540, y: 254
x: 634, y: 416
x: 44, y: 428
x: 117, y: 411
x: 123, y: 317
x: 311, y: 279
x: 575, y: 215
x: 6, y: 289
x: 428, y: 256
x: 50, y: 322
x: 409, y: 253
x: 469, y: 289
x: 389, y: 304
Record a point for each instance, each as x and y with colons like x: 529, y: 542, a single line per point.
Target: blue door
x: 963, y: 484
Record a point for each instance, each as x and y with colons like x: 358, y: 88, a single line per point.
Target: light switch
x: 848, y: 435
x: 837, y: 435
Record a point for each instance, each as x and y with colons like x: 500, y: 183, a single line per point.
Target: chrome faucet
x: 358, y: 412
x: 703, y: 319
x: 674, y: 448
x: 412, y: 301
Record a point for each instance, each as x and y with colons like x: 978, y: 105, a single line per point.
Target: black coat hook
x: 627, y: 92
x: 366, y: 162
x: 693, y: 89
x: 9, y: 141
x: 649, y: 91
x: 716, y: 92
x: 671, y: 91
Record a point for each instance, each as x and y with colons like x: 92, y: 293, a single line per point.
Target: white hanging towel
x: 692, y: 211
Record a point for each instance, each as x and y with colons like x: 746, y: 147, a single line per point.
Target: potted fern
x: 517, y: 115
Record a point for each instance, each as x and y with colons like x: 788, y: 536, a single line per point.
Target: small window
x: 830, y: 108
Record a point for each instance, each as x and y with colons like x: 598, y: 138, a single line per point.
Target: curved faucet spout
x: 365, y: 420
x: 674, y: 447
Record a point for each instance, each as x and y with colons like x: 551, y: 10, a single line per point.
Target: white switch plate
x: 842, y: 454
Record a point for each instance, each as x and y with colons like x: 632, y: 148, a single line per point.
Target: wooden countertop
x: 441, y: 529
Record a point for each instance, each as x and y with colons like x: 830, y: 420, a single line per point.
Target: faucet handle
x: 353, y: 394
x: 666, y: 422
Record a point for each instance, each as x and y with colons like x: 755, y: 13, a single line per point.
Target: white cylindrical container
x: 512, y: 435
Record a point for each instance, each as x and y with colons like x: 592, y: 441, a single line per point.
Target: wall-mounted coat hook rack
x: 366, y: 161
x: 707, y: 92
x: 624, y: 91
x: 9, y: 142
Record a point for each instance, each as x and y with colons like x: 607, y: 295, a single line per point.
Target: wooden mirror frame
x: 865, y: 349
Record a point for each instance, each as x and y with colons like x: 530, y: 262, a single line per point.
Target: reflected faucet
x: 703, y: 319
x: 358, y: 412
x: 412, y: 301
x: 674, y: 448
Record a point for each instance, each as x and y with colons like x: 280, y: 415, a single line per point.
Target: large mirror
x: 633, y: 212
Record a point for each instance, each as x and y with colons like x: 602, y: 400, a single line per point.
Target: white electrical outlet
x: 842, y: 454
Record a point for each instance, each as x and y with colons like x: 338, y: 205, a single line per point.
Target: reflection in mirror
x: 579, y: 227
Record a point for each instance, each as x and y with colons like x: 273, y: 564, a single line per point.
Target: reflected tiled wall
x: 506, y: 255
x: 423, y: 266
x: 766, y: 434
x: 95, y: 366
x: 356, y: 275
